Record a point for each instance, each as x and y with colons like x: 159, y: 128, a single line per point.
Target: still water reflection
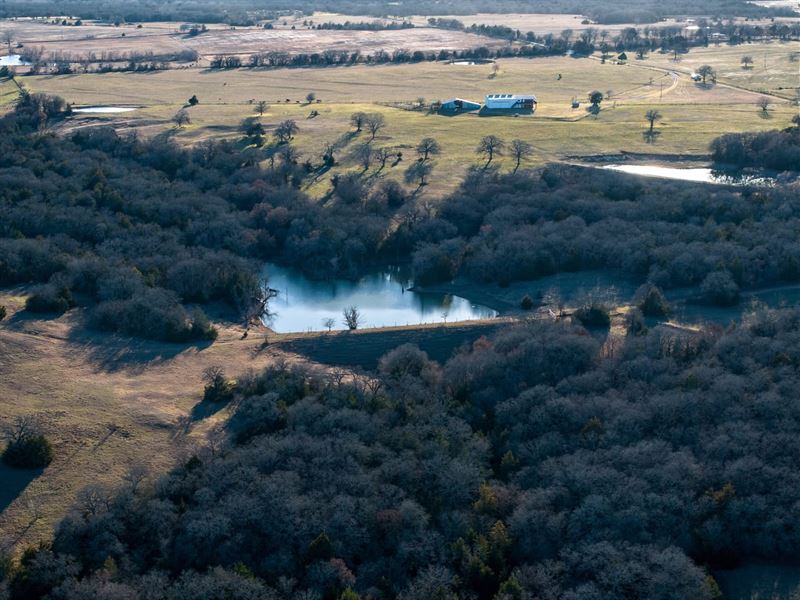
x: 383, y: 299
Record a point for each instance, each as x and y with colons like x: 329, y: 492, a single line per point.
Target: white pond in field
x: 13, y: 60
x: 695, y: 174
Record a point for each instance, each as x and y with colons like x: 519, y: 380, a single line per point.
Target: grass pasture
x: 693, y: 114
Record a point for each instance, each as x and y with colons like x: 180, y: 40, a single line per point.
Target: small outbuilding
x: 459, y: 105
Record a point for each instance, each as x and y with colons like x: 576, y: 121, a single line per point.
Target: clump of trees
x: 774, y: 150
x: 27, y: 446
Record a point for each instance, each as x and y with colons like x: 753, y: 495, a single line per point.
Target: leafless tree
x: 286, y: 130
x: 135, y: 475
x: 490, y: 146
x: 357, y: 119
x: 262, y: 106
x: 427, y: 147
x: 520, y: 150
x: 363, y: 155
x: 652, y: 116
x: 352, y: 317
x: 763, y: 104
x: 374, y: 123
x: 382, y: 155
x: 328, y: 323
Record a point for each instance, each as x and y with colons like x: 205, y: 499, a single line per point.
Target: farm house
x: 511, y: 102
x: 459, y: 105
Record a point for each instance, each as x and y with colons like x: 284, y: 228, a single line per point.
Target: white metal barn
x: 511, y: 102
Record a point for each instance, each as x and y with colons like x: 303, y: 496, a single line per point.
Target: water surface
x: 694, y: 174
x: 12, y: 60
x: 382, y: 298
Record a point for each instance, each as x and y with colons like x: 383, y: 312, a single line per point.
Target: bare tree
x: 419, y: 172
x: 763, y: 104
x: 652, y: 116
x: 8, y: 38
x: 490, y: 146
x: 24, y: 427
x: 427, y: 147
x: 286, y: 130
x: 328, y: 323
x: 520, y: 150
x: 135, y: 475
x: 357, y: 119
x: 352, y: 318
x: 382, y: 155
x: 364, y: 155
x: 706, y: 72
x: 747, y: 62
x: 374, y: 123
x: 182, y: 118
x: 262, y: 106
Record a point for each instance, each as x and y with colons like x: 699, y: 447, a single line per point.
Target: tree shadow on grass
x: 13, y: 482
x: 651, y: 137
x: 203, y: 410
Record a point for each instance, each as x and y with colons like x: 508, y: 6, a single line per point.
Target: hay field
x: 693, y: 114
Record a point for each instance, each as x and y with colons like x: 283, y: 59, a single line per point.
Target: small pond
x: 104, y: 109
x: 696, y: 174
x: 12, y: 60
x: 382, y: 298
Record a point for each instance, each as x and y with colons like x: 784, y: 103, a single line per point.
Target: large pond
x: 700, y: 175
x: 12, y: 60
x: 383, y: 300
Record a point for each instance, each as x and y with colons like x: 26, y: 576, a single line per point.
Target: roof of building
x: 510, y: 96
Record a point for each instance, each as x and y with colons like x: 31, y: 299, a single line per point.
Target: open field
x: 108, y: 402
x: 775, y: 69
x: 166, y: 39
x: 693, y: 114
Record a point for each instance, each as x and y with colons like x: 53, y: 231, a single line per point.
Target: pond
x: 382, y: 298
x: 104, y: 109
x: 698, y: 174
x: 12, y: 60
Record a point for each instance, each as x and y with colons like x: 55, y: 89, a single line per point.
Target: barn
x: 511, y: 102
x: 459, y: 105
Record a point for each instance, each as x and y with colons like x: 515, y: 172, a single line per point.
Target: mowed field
x: 693, y: 114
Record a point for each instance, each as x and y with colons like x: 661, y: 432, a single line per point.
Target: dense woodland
x: 247, y: 11
x: 773, y: 150
x: 531, y: 465
x: 504, y: 228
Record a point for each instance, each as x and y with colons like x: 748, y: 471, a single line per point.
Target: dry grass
x: 107, y: 402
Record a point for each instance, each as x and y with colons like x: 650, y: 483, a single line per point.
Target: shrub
x: 526, y: 303
x: 651, y: 301
x: 218, y: 387
x: 594, y: 315
x: 719, y: 288
x: 29, y: 452
x: 50, y: 299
